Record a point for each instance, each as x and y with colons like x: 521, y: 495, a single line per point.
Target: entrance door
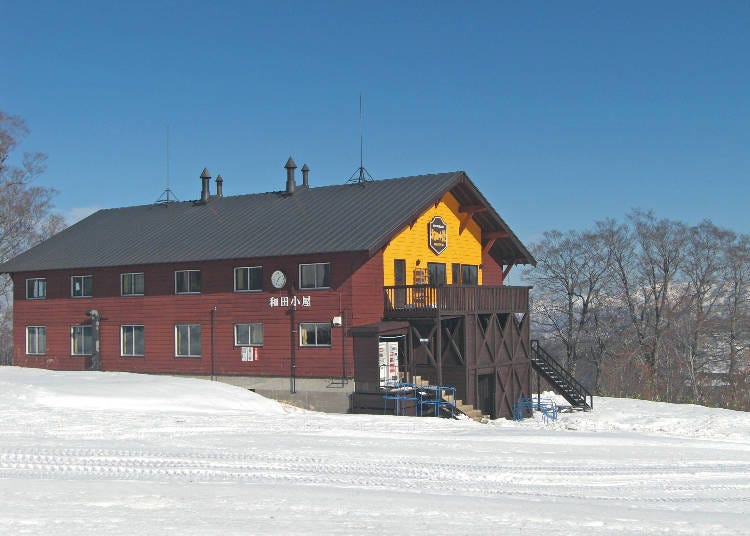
x: 399, y: 279
x: 486, y: 394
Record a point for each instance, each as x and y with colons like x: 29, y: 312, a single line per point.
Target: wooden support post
x: 439, y: 349
x: 505, y: 273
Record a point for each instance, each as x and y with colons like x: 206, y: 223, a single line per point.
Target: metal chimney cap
x: 206, y: 174
x: 305, y: 168
x: 290, y: 164
x: 219, y: 179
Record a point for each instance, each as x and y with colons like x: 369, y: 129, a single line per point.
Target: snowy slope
x: 115, y: 453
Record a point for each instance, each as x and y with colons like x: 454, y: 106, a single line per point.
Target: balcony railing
x: 403, y: 300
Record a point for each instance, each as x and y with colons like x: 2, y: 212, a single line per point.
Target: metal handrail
x: 542, y: 355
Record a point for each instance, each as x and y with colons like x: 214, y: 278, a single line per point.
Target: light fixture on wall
x: 418, y: 261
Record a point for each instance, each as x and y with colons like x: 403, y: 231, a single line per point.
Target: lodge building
x: 291, y: 293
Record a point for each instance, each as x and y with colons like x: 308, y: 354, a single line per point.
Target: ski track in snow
x: 251, y: 467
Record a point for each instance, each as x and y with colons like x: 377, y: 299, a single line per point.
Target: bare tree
x: 569, y: 277
x: 736, y: 277
x: 26, y: 216
x: 704, y: 253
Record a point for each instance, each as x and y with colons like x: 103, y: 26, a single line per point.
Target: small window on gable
x: 36, y: 289
x: 248, y: 334
x: 315, y: 334
x: 36, y: 340
x: 316, y: 275
x: 82, y: 286
x: 131, y: 284
x: 187, y: 282
x: 248, y: 279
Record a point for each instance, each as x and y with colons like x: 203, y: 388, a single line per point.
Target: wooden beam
x: 472, y: 209
x: 468, y: 212
x: 491, y: 236
x: 465, y: 219
x: 494, y: 234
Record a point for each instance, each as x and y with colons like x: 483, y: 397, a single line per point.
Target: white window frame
x: 83, y: 285
x: 250, y: 343
x: 316, y: 264
x: 259, y: 289
x: 176, y: 347
x: 189, y: 282
x: 37, y: 328
x: 131, y: 276
x: 36, y: 297
x: 122, y: 340
x: 316, y: 324
x: 72, y: 331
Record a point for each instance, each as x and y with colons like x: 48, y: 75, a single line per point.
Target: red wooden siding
x: 355, y: 294
x: 492, y: 273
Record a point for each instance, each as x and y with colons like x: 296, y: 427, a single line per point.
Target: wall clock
x: 278, y: 279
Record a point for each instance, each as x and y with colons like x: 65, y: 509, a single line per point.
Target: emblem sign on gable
x: 438, y: 235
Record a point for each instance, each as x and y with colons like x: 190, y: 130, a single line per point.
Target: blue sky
x: 561, y: 112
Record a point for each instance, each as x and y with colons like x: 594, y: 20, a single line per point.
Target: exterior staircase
x: 560, y: 379
x: 467, y: 409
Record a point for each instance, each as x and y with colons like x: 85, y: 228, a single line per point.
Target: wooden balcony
x: 407, y: 301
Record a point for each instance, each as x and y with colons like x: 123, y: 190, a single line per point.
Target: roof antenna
x: 360, y: 175
x: 167, y: 195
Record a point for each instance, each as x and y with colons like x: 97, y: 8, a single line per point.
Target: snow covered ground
x: 114, y: 453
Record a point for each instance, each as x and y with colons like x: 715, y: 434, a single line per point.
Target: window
x: 436, y: 273
x: 82, y: 286
x: 248, y: 334
x: 317, y: 275
x: 247, y: 279
x: 131, y: 341
x: 36, y: 340
x: 455, y: 274
x: 131, y: 284
x: 469, y: 274
x: 81, y: 340
x: 36, y: 289
x: 315, y: 334
x: 187, y: 282
x: 187, y: 341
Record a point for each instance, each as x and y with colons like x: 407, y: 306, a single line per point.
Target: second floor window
x: 131, y: 284
x: 436, y: 273
x: 317, y: 275
x: 469, y: 274
x: 82, y: 286
x: 187, y: 282
x: 248, y: 278
x: 36, y: 289
x: 81, y: 340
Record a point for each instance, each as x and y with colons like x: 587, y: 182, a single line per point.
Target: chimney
x: 290, y: 167
x: 305, y: 171
x: 205, y: 177
x: 219, y: 185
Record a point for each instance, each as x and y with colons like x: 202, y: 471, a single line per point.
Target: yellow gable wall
x: 411, y: 243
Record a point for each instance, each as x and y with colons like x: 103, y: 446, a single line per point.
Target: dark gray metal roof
x: 328, y: 219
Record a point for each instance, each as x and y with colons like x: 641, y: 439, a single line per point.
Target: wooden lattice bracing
x: 492, y: 348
